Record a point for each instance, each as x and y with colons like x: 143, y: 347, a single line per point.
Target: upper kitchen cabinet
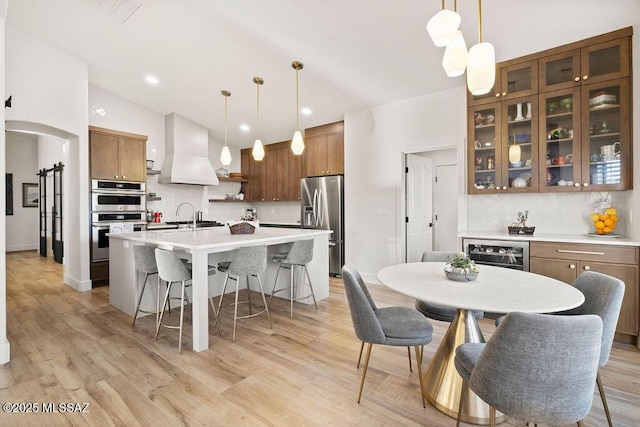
x: 598, y: 59
x: 513, y: 79
x: 276, y: 162
x: 255, y: 173
x: 117, y: 155
x: 324, y: 150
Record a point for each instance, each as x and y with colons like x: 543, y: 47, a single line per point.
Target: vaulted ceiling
x: 356, y: 53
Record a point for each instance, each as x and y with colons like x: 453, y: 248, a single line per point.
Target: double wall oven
x: 114, y: 203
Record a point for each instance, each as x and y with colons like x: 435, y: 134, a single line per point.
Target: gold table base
x: 443, y: 384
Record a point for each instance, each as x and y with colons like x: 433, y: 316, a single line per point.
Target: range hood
x: 186, y: 159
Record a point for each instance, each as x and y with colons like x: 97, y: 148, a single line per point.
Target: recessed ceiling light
x: 245, y: 128
x: 152, y: 80
x: 306, y: 111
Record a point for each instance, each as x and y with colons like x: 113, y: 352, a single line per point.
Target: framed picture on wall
x: 9, y: 193
x: 30, y: 195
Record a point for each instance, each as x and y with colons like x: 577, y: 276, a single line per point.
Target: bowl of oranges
x: 605, y: 221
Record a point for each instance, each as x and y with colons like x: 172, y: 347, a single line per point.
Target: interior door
x: 56, y: 217
x: 419, y: 206
x: 446, y: 209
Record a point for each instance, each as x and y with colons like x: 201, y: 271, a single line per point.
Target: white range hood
x: 186, y: 159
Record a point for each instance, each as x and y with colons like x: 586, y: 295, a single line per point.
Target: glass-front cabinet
x: 560, y: 141
x: 606, y: 137
x: 519, y: 80
x: 519, y: 144
x: 484, y: 127
x: 591, y: 64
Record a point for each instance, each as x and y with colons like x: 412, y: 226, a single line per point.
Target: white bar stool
x: 247, y: 261
x: 300, y: 254
x: 172, y: 269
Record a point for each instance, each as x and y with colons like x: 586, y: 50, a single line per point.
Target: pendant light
x: 454, y: 60
x: 225, y: 156
x: 297, y: 143
x: 481, y: 63
x: 442, y: 26
x: 258, y: 149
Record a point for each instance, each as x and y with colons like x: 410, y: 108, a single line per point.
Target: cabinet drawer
x: 584, y: 252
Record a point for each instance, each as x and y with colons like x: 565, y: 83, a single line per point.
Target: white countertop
x: 217, y: 239
x: 560, y: 238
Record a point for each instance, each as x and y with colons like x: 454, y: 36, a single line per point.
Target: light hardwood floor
x: 74, y: 347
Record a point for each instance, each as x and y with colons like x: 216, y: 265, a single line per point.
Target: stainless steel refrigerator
x: 323, y: 208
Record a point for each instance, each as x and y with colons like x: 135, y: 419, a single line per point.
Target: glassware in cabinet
x: 484, y: 154
x: 519, y: 148
x: 607, y: 142
x: 560, y: 136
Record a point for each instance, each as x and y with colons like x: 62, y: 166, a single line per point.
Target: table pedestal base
x: 443, y: 384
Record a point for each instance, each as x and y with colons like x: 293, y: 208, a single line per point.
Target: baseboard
x: 80, y: 286
x: 5, y: 351
x: 20, y: 248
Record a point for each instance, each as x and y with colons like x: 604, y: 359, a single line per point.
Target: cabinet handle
x: 497, y: 94
x: 568, y: 251
x: 585, y: 184
x: 504, y: 93
x: 576, y: 79
x: 273, y: 199
x: 577, y: 184
x: 504, y: 187
x: 585, y: 77
x: 498, y: 188
x: 124, y: 177
x: 115, y: 176
x: 587, y: 268
x: 572, y: 266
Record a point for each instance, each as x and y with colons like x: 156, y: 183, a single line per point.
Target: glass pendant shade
x: 514, y: 153
x: 225, y: 156
x: 297, y: 143
x: 442, y: 27
x: 454, y: 60
x: 481, y: 68
x: 258, y: 150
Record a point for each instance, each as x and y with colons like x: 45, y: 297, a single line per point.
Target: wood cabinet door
x: 283, y: 155
x: 270, y: 162
x: 244, y: 168
x: 335, y: 154
x: 519, y: 80
x: 104, y: 156
x: 606, y: 61
x: 256, y: 181
x: 561, y: 269
x: 559, y: 71
x: 628, y: 320
x: 316, y: 155
x: 296, y: 173
x: 132, y: 158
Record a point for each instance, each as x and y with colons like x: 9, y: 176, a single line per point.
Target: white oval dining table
x: 496, y: 289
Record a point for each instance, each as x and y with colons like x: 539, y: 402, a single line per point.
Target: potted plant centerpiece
x: 461, y: 268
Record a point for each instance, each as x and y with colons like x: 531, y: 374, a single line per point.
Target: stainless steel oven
x: 101, y: 225
x: 117, y: 196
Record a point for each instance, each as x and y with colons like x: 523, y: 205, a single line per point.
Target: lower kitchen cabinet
x: 565, y: 261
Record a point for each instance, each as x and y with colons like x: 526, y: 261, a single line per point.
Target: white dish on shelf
x: 610, y: 235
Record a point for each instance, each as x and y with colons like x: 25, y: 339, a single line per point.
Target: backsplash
x: 549, y: 212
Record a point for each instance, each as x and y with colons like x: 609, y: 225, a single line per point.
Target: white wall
x: 22, y: 228
x: 4, y: 343
x: 376, y: 137
x: 49, y: 90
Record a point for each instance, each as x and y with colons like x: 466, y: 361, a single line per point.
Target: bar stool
x: 300, y: 254
x: 172, y: 269
x: 145, y: 262
x: 247, y: 261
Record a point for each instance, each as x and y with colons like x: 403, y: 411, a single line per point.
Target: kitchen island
x: 204, y: 247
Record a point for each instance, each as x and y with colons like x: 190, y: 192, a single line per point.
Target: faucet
x: 192, y: 208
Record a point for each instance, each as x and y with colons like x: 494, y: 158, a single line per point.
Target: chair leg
x: 313, y: 295
x: 235, y: 309
x: 224, y: 288
x: 275, y: 282
x: 292, y: 295
x: 360, y: 357
x: 181, y: 315
x: 166, y: 299
x: 462, y: 396
x: 264, y: 300
x: 215, y: 313
x: 580, y: 423
x: 248, y: 293
x: 364, y: 371
x: 492, y: 416
x: 419, y: 363
x: 144, y: 284
x: 604, y: 399
x: 409, y: 353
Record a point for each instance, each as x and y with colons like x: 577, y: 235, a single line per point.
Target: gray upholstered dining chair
x: 602, y: 296
x: 535, y: 367
x: 393, y: 326
x: 434, y: 311
x: 247, y: 261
